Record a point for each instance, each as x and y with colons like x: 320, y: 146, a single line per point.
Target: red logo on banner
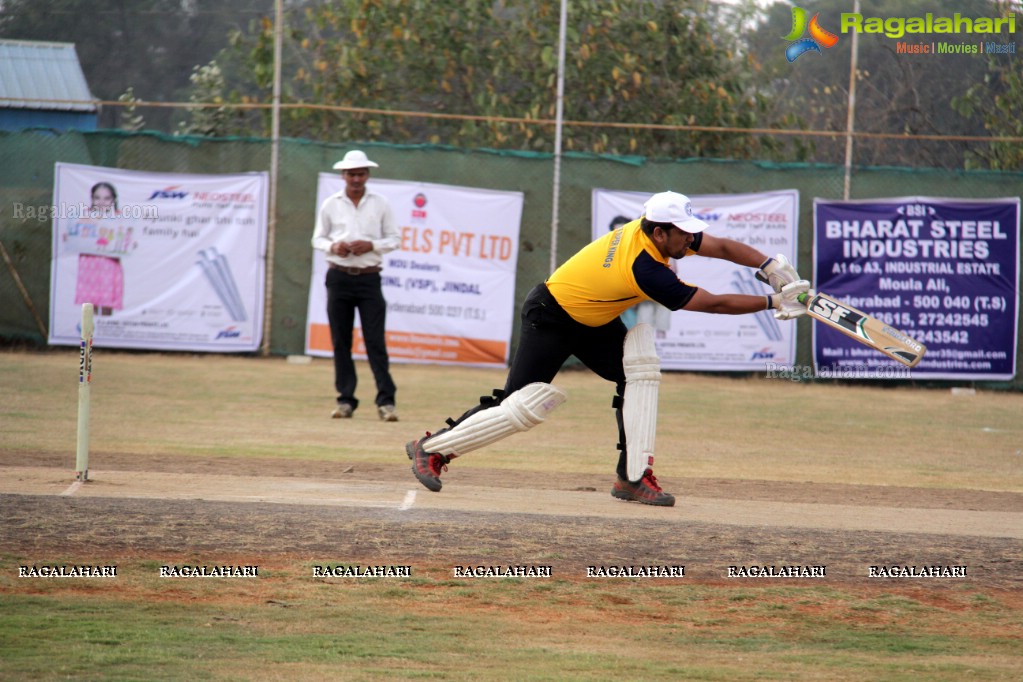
x: 420, y: 202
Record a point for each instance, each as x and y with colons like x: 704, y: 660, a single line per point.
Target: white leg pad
x: 639, y: 404
x: 521, y: 411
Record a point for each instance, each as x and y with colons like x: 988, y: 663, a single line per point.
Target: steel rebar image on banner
x: 217, y: 270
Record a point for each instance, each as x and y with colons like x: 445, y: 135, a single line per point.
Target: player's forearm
x: 727, y: 304
x: 732, y: 251
x: 743, y: 254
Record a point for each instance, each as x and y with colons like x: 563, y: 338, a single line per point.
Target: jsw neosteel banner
x: 944, y: 271
x: 701, y: 341
x: 450, y: 288
x: 169, y: 261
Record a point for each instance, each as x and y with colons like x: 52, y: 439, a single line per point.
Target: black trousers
x: 347, y: 294
x: 548, y: 338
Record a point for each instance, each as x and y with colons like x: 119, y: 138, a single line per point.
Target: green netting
x: 26, y: 180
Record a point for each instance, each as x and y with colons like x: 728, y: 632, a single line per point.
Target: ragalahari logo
x: 800, y: 26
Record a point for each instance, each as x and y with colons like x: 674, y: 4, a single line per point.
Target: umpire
x: 355, y: 228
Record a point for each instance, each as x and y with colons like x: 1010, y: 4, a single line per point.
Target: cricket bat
x: 866, y: 329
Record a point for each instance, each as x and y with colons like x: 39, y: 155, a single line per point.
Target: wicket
x: 84, y: 381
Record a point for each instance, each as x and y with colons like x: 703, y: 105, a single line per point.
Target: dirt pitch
x: 281, y: 512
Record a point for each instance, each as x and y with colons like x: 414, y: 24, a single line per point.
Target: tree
x: 996, y: 102
x: 646, y: 61
x: 131, y: 120
x: 209, y: 88
x: 150, y: 46
x: 895, y: 93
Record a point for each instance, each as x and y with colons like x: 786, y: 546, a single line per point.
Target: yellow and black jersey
x: 615, y: 272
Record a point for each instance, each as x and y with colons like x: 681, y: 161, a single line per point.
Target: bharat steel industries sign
x: 943, y: 272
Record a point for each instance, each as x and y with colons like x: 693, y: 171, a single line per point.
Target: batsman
x: 576, y: 312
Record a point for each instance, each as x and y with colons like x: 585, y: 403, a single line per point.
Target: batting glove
x: 777, y: 272
x: 786, y: 303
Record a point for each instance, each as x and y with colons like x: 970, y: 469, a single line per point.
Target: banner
x: 944, y: 271
x: 702, y: 341
x: 169, y: 261
x: 450, y: 288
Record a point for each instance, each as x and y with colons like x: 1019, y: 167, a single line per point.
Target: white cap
x: 674, y: 208
x: 355, y: 159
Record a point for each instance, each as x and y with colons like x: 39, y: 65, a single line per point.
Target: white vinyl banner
x: 169, y: 261
x: 702, y: 341
x: 450, y: 288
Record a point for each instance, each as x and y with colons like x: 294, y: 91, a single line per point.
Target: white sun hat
x: 355, y: 159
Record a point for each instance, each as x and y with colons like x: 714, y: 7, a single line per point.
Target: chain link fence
x: 27, y: 175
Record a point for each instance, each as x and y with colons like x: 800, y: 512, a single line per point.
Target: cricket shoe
x: 342, y: 411
x: 387, y: 413
x: 427, y: 466
x: 646, y: 491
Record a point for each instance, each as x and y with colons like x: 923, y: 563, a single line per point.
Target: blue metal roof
x: 31, y: 71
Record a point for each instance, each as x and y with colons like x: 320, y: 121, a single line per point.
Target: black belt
x: 371, y: 270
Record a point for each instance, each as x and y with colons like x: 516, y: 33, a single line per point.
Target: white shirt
x: 341, y: 220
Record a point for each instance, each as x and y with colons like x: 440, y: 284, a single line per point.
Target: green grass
x: 740, y: 428
x: 287, y: 625
x: 300, y: 628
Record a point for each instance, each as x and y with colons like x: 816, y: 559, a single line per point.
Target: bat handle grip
x: 803, y: 298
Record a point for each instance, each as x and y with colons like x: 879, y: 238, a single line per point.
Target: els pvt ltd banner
x: 450, y: 287
x: 169, y: 261
x: 944, y: 271
x: 702, y: 341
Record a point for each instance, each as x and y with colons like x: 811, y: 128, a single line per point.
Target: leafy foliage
x: 895, y: 93
x: 131, y: 120
x: 646, y: 62
x: 635, y: 71
x: 150, y: 46
x: 216, y: 119
x: 997, y: 101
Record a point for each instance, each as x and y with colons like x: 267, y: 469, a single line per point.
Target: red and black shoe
x: 646, y: 491
x: 427, y: 466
